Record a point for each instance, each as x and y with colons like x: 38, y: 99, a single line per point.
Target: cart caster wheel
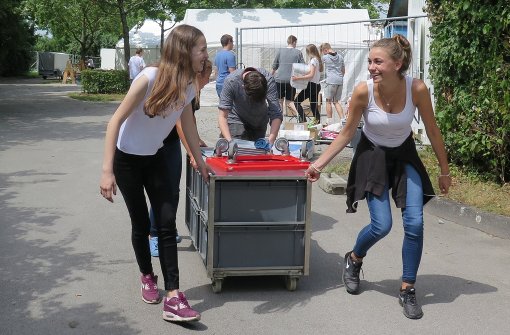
x: 216, y: 285
x: 291, y: 283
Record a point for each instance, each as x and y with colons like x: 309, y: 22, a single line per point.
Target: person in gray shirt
x: 334, y: 68
x: 248, y: 102
x: 282, y: 66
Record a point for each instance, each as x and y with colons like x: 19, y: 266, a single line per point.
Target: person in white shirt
x: 313, y: 88
x: 386, y: 163
x: 136, y: 64
x: 134, y: 159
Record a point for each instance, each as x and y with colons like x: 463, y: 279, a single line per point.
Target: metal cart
x: 253, y: 218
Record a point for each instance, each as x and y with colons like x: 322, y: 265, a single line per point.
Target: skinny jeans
x: 381, y: 223
x: 311, y: 92
x: 172, y: 153
x: 134, y: 174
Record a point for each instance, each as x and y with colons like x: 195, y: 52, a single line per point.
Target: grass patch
x: 467, y: 188
x: 97, y: 97
x: 31, y: 74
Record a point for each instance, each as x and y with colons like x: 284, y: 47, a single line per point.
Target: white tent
x: 148, y: 37
x: 259, y: 33
x: 216, y: 22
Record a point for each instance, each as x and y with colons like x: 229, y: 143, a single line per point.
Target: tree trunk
x: 162, y: 25
x: 125, y: 32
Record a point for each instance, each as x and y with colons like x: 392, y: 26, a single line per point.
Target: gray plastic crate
x: 260, y: 200
x: 259, y: 246
x: 187, y: 209
x: 202, y: 238
x: 194, y: 228
x: 250, y: 224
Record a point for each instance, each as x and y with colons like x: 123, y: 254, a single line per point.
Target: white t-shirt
x: 136, y: 64
x: 317, y: 77
x: 141, y: 135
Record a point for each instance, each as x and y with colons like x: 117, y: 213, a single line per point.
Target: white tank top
x: 387, y: 129
x: 142, y: 135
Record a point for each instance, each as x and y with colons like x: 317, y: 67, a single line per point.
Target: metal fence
x: 259, y: 46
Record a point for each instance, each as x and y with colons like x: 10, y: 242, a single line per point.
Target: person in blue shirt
x: 225, y: 61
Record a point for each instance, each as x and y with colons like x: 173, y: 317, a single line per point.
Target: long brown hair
x: 311, y: 51
x: 175, y: 72
x: 201, y: 78
x: 398, y: 48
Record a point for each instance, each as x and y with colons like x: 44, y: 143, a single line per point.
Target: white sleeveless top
x: 387, y: 129
x: 317, y: 77
x: 142, y: 135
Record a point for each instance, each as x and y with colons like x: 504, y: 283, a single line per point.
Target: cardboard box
x: 298, y: 131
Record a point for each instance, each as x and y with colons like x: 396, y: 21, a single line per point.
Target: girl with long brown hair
x: 313, y: 88
x: 134, y: 159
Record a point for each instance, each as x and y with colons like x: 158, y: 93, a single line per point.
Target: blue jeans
x: 381, y: 222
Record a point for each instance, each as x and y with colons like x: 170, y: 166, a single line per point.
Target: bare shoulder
x: 419, y: 86
x: 360, y: 91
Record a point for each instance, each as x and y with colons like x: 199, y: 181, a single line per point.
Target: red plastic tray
x: 257, y: 163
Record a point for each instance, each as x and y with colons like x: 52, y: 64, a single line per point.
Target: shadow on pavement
x: 432, y: 289
x: 325, y: 270
x: 35, y: 280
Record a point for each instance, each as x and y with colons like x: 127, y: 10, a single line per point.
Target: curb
x: 449, y: 210
x: 332, y: 183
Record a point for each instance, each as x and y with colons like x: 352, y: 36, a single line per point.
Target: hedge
x: 470, y: 71
x: 105, y: 82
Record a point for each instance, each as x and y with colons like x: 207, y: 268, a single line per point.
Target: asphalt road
x: 68, y: 268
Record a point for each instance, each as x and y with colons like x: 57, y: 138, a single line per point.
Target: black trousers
x: 134, y: 174
x: 311, y: 92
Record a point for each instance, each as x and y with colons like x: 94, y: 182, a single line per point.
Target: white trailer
x: 52, y: 64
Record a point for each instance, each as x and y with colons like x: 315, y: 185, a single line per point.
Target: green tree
x: 16, y: 39
x: 166, y: 10
x: 129, y: 12
x: 77, y: 24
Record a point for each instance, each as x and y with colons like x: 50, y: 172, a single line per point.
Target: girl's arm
x: 201, y: 143
x: 421, y: 99
x: 309, y: 75
x: 132, y: 99
x: 190, y: 132
x: 359, y: 101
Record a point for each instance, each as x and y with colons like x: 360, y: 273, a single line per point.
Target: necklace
x: 385, y: 101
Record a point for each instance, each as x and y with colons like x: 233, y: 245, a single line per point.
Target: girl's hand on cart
x: 312, y: 173
x: 204, y: 170
x: 193, y: 163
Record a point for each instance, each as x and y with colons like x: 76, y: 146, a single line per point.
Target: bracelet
x: 444, y: 175
x: 315, y: 168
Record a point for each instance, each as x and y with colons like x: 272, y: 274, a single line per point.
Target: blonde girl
x: 386, y: 158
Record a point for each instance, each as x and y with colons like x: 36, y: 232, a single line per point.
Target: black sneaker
x: 407, y: 299
x: 350, y: 274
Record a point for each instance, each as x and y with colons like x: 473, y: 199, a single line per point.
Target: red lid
x: 257, y: 163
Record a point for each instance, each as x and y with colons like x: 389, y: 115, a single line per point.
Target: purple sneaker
x: 150, y: 293
x: 178, y: 309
